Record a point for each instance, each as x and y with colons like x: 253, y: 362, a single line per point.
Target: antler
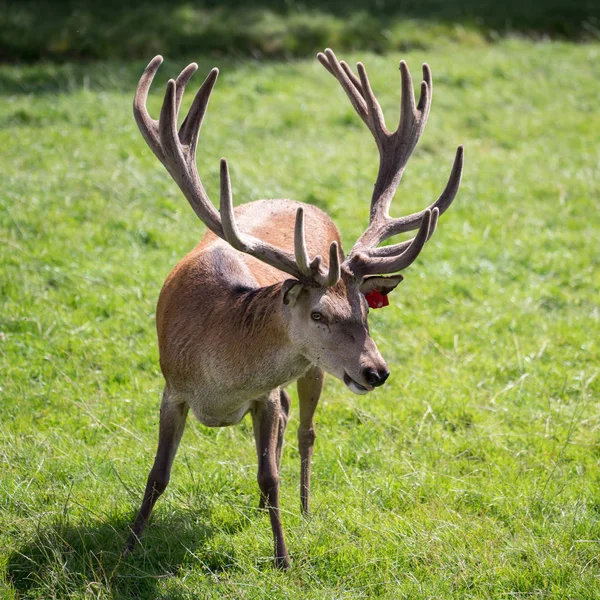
x: 395, y: 149
x: 176, y: 150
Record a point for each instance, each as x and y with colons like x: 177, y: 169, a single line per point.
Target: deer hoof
x: 283, y: 563
x: 129, y: 545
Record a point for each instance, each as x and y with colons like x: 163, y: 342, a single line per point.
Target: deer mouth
x: 356, y: 387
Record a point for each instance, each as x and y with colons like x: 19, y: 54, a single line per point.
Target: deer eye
x: 315, y: 316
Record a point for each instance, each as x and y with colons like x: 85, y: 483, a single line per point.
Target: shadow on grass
x: 63, y: 558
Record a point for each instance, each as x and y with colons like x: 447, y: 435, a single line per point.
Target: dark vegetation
x: 122, y: 29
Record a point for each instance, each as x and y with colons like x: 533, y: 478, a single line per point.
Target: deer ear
x: 290, y: 291
x: 384, y: 285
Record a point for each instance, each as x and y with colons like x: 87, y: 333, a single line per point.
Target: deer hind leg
x: 284, y: 413
x: 310, y: 386
x: 172, y: 424
x: 266, y: 421
x: 284, y: 403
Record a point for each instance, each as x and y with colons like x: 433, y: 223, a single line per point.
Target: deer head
x: 324, y: 301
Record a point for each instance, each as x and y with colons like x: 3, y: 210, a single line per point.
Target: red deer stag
x: 267, y: 297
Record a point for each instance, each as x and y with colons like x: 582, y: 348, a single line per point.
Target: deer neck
x: 264, y: 329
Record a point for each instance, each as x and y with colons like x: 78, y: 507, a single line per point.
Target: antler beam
x: 176, y: 150
x: 395, y: 149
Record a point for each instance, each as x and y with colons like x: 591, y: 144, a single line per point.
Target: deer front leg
x: 266, y: 422
x: 172, y: 424
x: 309, y: 386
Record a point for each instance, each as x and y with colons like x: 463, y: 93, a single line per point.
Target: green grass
x: 472, y: 474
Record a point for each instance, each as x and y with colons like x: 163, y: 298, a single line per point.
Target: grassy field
x: 474, y: 473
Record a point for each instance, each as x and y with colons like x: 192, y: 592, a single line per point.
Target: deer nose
x: 375, y: 378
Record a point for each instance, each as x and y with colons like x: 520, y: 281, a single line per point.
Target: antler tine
x: 147, y: 125
x: 312, y: 270
x: 352, y: 77
x: 231, y: 232
x: 426, y: 91
x: 374, y: 112
x: 167, y: 122
x: 300, y: 250
x: 182, y: 81
x: 335, y: 269
x: 325, y: 62
x: 369, y: 264
x: 190, y: 128
x: 407, y: 97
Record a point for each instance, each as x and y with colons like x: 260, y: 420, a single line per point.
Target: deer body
x: 218, y: 302
x: 248, y: 311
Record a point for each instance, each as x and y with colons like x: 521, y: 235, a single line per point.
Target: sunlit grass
x: 472, y: 473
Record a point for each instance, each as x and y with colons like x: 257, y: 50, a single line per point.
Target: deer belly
x: 218, y: 414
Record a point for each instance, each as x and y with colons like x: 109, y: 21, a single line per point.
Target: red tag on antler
x: 376, y: 299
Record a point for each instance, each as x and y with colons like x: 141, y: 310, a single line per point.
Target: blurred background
x: 85, y: 29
